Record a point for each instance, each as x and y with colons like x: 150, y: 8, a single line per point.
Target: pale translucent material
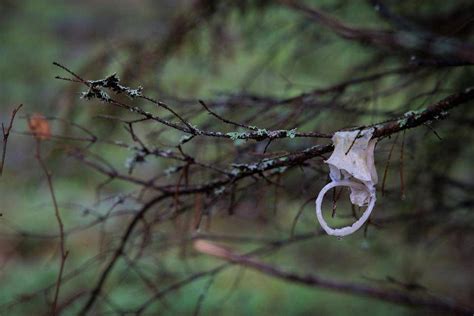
x: 352, y: 165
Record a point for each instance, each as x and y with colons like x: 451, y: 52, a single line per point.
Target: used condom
x: 351, y: 165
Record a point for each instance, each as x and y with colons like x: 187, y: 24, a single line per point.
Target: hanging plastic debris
x: 352, y: 165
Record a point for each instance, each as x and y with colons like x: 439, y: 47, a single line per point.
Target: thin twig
x: 335, y: 197
x: 253, y: 128
x: 402, y: 181
x: 298, y: 215
x: 6, y: 134
x: 353, y: 142
x: 203, y: 294
x: 388, y: 164
x: 64, y: 252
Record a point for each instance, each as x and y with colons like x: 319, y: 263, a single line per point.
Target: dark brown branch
x: 117, y: 254
x: 6, y: 134
x: 397, y: 297
x: 224, y: 119
x: 407, y: 41
x: 64, y: 252
x: 94, y: 91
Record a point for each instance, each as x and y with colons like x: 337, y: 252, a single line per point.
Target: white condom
x: 352, y: 165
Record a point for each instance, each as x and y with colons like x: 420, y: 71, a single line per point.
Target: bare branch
x: 338, y: 286
x: 6, y: 134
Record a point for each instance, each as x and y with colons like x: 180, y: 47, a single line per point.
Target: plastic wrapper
x: 351, y: 164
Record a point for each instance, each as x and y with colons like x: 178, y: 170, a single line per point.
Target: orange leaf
x: 39, y: 127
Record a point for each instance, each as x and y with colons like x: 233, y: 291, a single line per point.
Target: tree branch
x: 6, y: 134
x: 392, y: 296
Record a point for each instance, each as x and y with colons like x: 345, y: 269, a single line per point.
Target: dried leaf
x: 39, y: 127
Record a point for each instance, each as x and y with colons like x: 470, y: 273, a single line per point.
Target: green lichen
x: 291, y: 133
x: 185, y: 139
x: 234, y: 135
x: 262, y: 132
x: 238, y: 137
x: 415, y: 114
x: 410, y: 115
x: 112, y: 82
x: 403, y: 122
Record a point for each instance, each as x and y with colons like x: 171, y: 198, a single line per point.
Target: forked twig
x: 64, y: 252
x: 6, y: 134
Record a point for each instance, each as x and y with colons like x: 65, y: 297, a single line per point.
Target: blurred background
x: 267, y: 64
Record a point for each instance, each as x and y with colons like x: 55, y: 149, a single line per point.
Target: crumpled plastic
x: 351, y: 164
